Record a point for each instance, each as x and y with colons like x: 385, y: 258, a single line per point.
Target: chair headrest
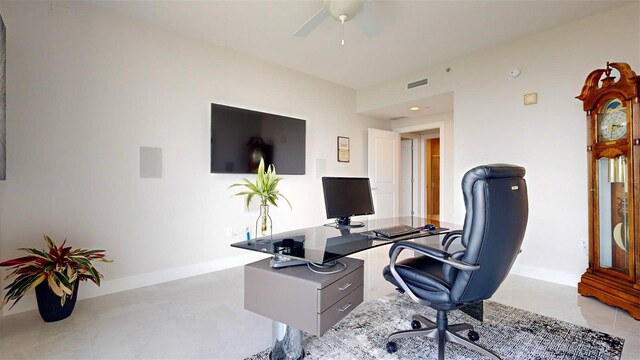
x: 492, y: 171
x: 481, y: 173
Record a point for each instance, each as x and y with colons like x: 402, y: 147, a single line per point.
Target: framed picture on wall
x: 343, y: 149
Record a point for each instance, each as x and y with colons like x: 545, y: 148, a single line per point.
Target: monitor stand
x: 345, y: 223
x: 281, y: 261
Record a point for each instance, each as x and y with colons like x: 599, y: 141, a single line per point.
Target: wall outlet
x: 584, y: 244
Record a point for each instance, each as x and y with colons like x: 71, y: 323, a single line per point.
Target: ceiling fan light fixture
x: 342, y: 11
x: 339, y: 8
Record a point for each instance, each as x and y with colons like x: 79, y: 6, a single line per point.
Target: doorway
x: 432, y: 178
x: 420, y: 170
x: 409, y: 174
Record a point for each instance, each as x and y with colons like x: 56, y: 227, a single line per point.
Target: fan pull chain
x: 342, y: 19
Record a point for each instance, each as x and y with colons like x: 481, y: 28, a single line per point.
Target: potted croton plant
x: 55, y: 274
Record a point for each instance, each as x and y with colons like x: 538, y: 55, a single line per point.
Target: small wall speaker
x: 150, y: 162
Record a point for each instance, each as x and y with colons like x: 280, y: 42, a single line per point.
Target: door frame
x: 443, y: 157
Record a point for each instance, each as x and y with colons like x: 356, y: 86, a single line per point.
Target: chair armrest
x: 433, y: 253
x: 429, y: 251
x: 450, y: 238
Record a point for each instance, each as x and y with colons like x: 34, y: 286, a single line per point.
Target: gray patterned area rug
x: 511, y: 333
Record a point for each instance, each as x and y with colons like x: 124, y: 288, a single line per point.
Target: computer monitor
x: 345, y: 197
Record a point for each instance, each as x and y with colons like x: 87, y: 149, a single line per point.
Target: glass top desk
x: 317, y: 245
x: 326, y: 243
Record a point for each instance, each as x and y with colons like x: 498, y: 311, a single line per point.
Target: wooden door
x: 432, y: 167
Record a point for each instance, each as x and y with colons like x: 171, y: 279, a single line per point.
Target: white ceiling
x: 431, y: 105
x: 416, y: 34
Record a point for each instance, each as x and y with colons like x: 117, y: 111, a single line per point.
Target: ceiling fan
x: 342, y: 11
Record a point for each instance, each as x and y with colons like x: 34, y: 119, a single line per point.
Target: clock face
x: 613, y: 121
x: 614, y: 125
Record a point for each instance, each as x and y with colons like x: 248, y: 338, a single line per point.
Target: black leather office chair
x: 496, y: 202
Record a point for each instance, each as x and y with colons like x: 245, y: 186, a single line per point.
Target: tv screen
x: 345, y: 197
x: 240, y: 137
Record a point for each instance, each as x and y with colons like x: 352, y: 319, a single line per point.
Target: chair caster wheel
x: 391, y: 347
x: 473, y: 335
x: 415, y: 324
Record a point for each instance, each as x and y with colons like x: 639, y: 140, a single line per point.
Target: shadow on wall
x: 3, y: 102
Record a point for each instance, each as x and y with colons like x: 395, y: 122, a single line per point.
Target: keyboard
x: 396, y: 231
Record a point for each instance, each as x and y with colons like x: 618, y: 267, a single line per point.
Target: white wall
x: 447, y: 184
x: 86, y: 88
x: 491, y: 125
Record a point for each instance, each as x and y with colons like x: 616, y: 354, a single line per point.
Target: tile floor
x: 202, y: 318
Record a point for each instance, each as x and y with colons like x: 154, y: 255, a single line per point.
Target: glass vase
x: 263, y: 222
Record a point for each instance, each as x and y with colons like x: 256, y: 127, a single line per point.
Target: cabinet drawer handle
x: 344, y: 308
x: 345, y: 287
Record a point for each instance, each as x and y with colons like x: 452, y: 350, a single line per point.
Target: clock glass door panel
x: 613, y: 214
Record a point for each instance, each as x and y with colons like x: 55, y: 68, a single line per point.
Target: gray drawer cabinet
x: 301, y: 298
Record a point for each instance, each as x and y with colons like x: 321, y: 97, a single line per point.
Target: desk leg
x: 287, y: 342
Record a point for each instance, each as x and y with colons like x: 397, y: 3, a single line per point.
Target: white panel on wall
x: 150, y: 162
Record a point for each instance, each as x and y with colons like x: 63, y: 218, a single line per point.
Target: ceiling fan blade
x: 369, y: 25
x: 312, y: 23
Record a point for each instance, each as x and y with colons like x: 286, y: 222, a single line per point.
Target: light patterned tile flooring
x: 203, y: 318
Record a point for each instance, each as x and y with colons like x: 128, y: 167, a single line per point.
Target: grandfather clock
x: 613, y: 152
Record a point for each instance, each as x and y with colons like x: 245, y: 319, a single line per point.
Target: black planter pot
x: 49, y: 303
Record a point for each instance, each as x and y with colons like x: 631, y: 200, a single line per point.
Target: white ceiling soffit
x: 415, y: 34
x: 428, y: 106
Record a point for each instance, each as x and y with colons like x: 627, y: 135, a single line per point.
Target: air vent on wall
x: 415, y: 84
x: 398, y: 118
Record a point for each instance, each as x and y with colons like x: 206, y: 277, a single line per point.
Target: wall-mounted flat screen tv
x: 240, y: 137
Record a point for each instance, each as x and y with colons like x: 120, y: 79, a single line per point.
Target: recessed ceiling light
x: 414, y: 108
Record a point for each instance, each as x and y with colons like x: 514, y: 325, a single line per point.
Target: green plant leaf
x: 54, y: 286
x: 19, y: 287
x: 37, y: 253
x: 265, y: 186
x: 49, y: 242
x: 65, y: 285
x: 86, y: 266
x: 38, y: 280
x: 19, y: 261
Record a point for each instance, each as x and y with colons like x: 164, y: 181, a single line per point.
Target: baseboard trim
x: 137, y: 281
x: 557, y: 277
x: 89, y: 290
